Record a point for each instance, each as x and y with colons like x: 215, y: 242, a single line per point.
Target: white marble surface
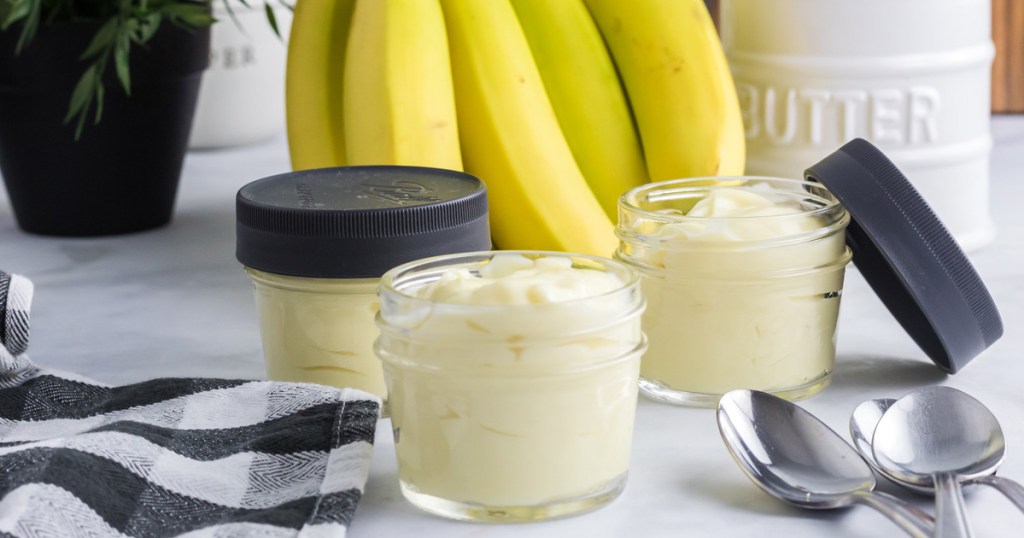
x: 174, y: 302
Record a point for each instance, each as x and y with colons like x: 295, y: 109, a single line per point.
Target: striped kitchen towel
x: 172, y: 457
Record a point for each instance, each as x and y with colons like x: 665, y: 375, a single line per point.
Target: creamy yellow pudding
x: 513, y: 381
x: 742, y: 278
x: 319, y: 330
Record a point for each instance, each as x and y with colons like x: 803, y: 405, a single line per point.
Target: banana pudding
x: 743, y: 278
x: 512, y: 381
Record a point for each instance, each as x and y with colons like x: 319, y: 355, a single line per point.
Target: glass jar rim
x: 673, y: 188
x: 389, y: 282
x: 312, y: 284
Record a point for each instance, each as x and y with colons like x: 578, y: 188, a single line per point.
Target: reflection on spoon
x: 865, y: 418
x: 795, y: 457
x: 940, y: 436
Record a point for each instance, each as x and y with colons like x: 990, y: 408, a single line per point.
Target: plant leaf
x: 121, y: 62
x: 100, y: 92
x: 83, y: 93
x: 272, y: 19
x: 103, y: 39
x: 131, y: 26
x: 231, y: 13
x: 79, y: 125
x: 149, y: 27
x: 194, y: 15
x: 19, y: 9
x: 200, y: 19
x: 28, y: 31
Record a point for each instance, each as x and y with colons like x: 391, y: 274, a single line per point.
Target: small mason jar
x: 315, y: 244
x: 512, y: 398
x: 319, y: 330
x: 742, y: 278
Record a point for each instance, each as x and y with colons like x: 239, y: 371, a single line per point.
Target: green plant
x: 125, y: 24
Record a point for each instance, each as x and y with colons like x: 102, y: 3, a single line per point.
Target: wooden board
x: 1008, y: 68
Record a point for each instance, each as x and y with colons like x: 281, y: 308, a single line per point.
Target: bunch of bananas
x: 558, y: 106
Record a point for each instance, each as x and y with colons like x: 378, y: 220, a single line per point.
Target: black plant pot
x: 122, y: 175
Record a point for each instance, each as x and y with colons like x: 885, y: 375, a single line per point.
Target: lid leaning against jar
x: 909, y: 258
x: 358, y: 221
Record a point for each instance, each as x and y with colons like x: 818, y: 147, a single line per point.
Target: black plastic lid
x: 358, y: 221
x: 909, y: 258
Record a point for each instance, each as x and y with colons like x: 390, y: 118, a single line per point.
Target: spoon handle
x: 913, y: 520
x: 1013, y: 490
x: 950, y: 512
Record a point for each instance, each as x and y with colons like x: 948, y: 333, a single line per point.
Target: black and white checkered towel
x: 170, y: 457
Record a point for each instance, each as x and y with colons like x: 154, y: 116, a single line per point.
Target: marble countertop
x: 175, y: 302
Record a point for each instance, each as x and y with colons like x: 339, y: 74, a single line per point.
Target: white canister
x: 911, y: 76
x: 241, y: 100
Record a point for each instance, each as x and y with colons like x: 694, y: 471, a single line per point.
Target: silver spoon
x: 862, y: 429
x: 940, y: 436
x: 863, y: 421
x: 795, y: 457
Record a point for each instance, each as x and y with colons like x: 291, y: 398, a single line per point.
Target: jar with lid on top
x: 315, y: 244
x: 513, y: 381
x: 742, y: 277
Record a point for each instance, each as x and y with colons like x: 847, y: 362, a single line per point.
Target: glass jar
x: 511, y: 412
x: 319, y: 330
x: 742, y: 277
x: 315, y: 244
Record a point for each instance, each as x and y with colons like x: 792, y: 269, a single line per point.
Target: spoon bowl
x: 796, y: 458
x: 863, y: 421
x: 938, y: 429
x: 939, y: 436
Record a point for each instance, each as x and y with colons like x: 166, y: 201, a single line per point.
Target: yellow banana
x: 678, y: 82
x: 313, y: 82
x: 588, y: 98
x: 511, y: 138
x: 399, y: 102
